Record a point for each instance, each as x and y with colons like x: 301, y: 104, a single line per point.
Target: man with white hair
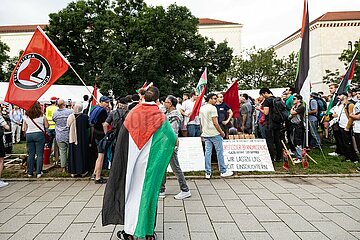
x: 60, y: 117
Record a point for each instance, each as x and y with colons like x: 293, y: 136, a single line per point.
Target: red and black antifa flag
x: 38, y: 68
x: 302, y: 84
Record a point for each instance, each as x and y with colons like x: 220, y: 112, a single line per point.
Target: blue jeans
x: 315, y: 140
x: 35, y: 144
x: 52, y: 135
x: 193, y: 130
x: 217, y: 141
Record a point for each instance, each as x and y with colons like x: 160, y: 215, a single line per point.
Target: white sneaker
x: 228, y: 173
x: 297, y: 160
x: 207, y: 175
x: 162, y: 195
x: 3, y: 184
x: 39, y: 175
x: 182, y: 195
x: 334, y: 154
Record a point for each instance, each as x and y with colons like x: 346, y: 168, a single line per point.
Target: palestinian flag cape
x: 143, y: 151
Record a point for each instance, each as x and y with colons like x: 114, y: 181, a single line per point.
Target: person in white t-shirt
x: 193, y: 127
x: 213, y: 136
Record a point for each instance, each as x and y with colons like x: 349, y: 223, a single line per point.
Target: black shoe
x: 100, y: 181
x: 122, y: 235
x: 150, y: 237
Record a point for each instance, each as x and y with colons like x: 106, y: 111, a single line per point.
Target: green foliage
x: 3, y: 60
x: 124, y: 43
x: 260, y: 68
x: 346, y: 56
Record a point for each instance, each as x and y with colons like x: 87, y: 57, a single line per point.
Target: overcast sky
x: 266, y: 22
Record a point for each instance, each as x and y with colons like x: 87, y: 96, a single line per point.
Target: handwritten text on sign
x: 247, y: 155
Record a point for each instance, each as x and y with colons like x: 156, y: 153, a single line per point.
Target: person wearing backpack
x: 313, y: 121
x: 273, y: 123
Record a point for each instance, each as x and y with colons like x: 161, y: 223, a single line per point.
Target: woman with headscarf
x: 79, y: 125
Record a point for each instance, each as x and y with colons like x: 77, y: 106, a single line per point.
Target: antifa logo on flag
x: 32, y: 72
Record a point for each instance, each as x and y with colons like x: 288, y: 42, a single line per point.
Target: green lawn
x: 330, y: 165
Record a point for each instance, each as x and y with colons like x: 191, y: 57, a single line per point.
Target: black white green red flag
x: 142, y: 153
x: 302, y: 84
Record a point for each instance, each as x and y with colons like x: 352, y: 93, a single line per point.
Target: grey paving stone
x: 351, y: 211
x: 273, y: 228
x: 80, y: 230
x: 62, y: 186
x: 290, y: 199
x: 212, y: 201
x: 355, y: 234
x: 5, y: 236
x: 72, y: 191
x: 332, y: 231
x: 351, y: 182
x: 82, y: 196
x: 95, y: 201
x: 302, y: 194
x: 87, y: 215
x: 194, y: 207
x: 344, y: 221
x: 23, y: 202
x: 331, y: 199
x: 297, y: 223
x: 28, y: 232
x: 354, y: 201
x: 219, y: 214
x: 207, y: 189
x: 160, y: 206
x: 220, y: 184
x: 251, y: 200
x: 14, y: 224
x: 49, y: 196
x: 202, y: 182
x: 309, y: 213
x: 14, y: 197
x: 240, y: 188
x: 264, y: 194
x: 264, y: 214
x: 311, y: 236
x: 320, y: 205
x: 4, y: 206
x: 330, y: 180
x: 227, y: 231
x: 195, y: 196
x: 252, y: 184
x: 273, y: 187
x: 278, y: 206
x: 34, y: 208
x: 257, y: 236
x: 236, y: 206
x: 98, y: 236
x: 40, y: 191
x: 90, y: 186
x: 48, y: 236
x: 59, y: 224
x: 60, y: 202
x: 46, y: 215
x: 203, y: 236
x: 159, y: 223
x: 247, y: 222
x: 50, y: 184
x: 73, y: 208
x: 174, y: 214
x: 227, y: 194
x: 311, y: 188
x: 97, y: 227
x: 170, y: 201
x: 198, y: 223
x: 317, y: 182
x: 339, y: 193
x: 176, y: 231
x: 287, y: 183
x: 7, y: 214
x: 347, y: 188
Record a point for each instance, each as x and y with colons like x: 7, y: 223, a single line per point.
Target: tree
x: 260, y: 68
x: 125, y: 42
x: 3, y: 60
x: 346, y: 56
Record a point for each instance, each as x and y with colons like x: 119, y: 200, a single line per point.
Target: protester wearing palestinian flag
x: 143, y: 150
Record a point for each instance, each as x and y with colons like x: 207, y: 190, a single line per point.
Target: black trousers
x: 347, y: 146
x: 274, y: 137
x: 337, y: 137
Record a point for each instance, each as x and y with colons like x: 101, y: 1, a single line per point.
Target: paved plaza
x: 243, y: 208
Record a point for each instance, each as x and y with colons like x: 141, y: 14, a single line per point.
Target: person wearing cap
x: 313, y: 121
x: 49, y: 114
x: 345, y: 125
x: 97, y: 118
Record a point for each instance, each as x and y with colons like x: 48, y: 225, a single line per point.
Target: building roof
x: 20, y: 28
x: 31, y: 28
x: 329, y: 17
x: 209, y: 21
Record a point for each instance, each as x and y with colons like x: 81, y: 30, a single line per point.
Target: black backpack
x: 321, y: 107
x: 279, y: 113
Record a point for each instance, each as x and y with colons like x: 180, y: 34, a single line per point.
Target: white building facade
x: 330, y: 34
x: 17, y: 37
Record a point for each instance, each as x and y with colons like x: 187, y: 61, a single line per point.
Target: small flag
x: 38, y: 68
x: 94, y: 100
x: 200, y: 91
x: 302, y: 84
x: 231, y: 98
